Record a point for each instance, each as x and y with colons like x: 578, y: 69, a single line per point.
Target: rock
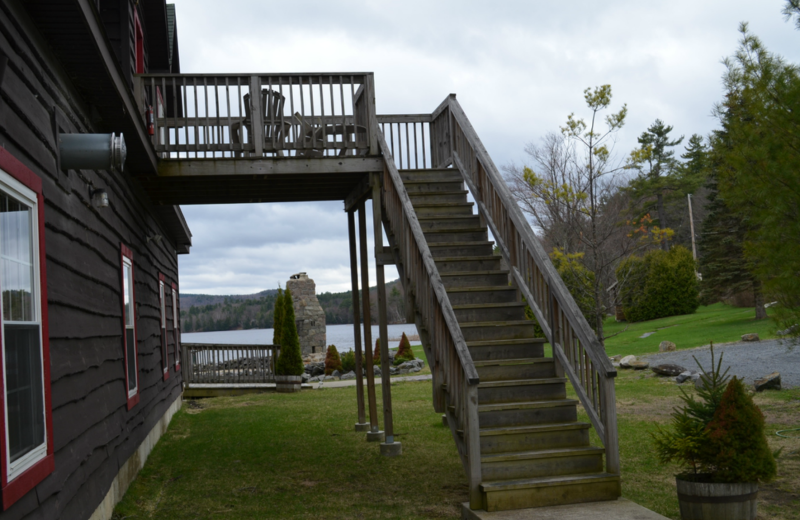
x: 403, y: 371
x: 349, y: 375
x: 668, y: 370
x: 770, y: 382
x: 415, y: 369
x: 638, y: 365
x: 336, y: 373
x: 414, y: 363
x: 625, y: 362
x: 328, y: 378
x: 315, y: 379
x: 750, y: 337
x: 394, y: 371
x: 616, y: 358
x: 646, y: 335
x: 683, y: 376
x: 667, y: 346
x: 700, y: 382
x: 376, y: 371
x: 318, y: 369
x: 305, y: 378
x: 786, y: 332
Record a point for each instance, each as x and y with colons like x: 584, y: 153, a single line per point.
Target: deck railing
x: 452, y: 365
x: 408, y: 139
x: 228, y: 364
x: 453, y: 142
x: 296, y: 115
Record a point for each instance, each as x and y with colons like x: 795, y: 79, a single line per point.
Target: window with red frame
x: 139, y: 37
x: 163, y: 305
x: 176, y: 327
x: 26, y: 446
x: 129, y: 325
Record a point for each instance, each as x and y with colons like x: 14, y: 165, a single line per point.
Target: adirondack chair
x: 275, y: 131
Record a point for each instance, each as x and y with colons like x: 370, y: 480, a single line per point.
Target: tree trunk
x: 662, y: 222
x: 761, y: 311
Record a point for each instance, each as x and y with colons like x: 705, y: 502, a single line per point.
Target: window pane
x: 16, y: 271
x: 128, y: 290
x: 23, y: 389
x: 131, y: 346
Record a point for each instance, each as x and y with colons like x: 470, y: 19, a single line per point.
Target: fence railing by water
x: 211, y: 116
x: 228, y: 364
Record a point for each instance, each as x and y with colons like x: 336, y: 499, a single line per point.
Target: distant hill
x: 209, y: 312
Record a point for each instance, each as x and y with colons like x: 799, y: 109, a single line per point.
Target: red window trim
x: 162, y: 324
x: 176, y: 324
x: 125, y: 251
x: 138, y: 42
x: 21, y: 485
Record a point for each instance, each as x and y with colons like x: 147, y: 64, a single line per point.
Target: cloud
x: 518, y: 68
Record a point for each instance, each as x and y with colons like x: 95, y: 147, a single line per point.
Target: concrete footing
x: 362, y: 427
x: 620, y: 509
x: 378, y: 436
x: 393, y: 449
x: 444, y: 420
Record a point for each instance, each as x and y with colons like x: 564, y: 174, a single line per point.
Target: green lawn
x: 719, y: 323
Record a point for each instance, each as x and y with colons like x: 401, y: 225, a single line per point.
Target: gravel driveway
x: 748, y: 360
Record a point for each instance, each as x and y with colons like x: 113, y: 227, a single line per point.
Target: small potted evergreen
x: 719, y: 443
x: 289, y: 367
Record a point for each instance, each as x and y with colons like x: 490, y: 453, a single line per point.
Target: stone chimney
x: 308, y: 314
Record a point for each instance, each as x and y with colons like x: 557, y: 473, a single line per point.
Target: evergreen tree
x: 657, y: 167
x: 376, y: 356
x: 277, y: 318
x: 332, y: 360
x: 404, y: 351
x: 290, y: 361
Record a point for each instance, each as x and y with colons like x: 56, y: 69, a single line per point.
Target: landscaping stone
x: 700, y: 382
x: 414, y: 363
x: 305, y: 377
x: 668, y: 370
x: 315, y: 379
x: 683, y: 376
x: 750, y: 337
x: 349, y: 375
x: 625, y: 362
x: 376, y: 371
x: 638, y: 365
x: 336, y: 373
x: 616, y: 358
x: 667, y: 346
x: 413, y: 370
x: 786, y: 332
x: 329, y: 378
x: 770, y: 382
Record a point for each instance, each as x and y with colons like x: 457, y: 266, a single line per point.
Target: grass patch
x: 719, y: 323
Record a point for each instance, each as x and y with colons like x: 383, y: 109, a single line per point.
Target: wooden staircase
x: 533, y: 450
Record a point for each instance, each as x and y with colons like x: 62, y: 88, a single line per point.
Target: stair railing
x: 452, y: 366
x: 580, y: 355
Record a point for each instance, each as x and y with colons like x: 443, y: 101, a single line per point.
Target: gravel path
x: 747, y: 360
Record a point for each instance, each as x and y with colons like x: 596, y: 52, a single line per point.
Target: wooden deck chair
x: 272, y: 103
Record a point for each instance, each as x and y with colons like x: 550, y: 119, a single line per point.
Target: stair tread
x: 522, y: 382
x: 464, y: 273
x: 482, y: 305
x: 445, y: 217
x: 503, y: 485
x: 504, y: 430
x: 454, y: 230
x: 449, y: 192
x: 482, y: 287
x: 527, y: 405
x: 502, y: 342
x: 436, y: 204
x: 541, y: 454
x: 503, y: 323
x: 443, y: 181
x: 511, y: 362
x: 461, y: 244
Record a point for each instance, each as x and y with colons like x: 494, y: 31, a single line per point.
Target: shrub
x: 376, y: 356
x: 404, y: 351
x: 579, y: 281
x: 348, y: 361
x: 277, y: 318
x: 290, y: 362
x: 658, y: 285
x: 332, y: 360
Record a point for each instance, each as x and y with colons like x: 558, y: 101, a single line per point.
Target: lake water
x: 339, y: 335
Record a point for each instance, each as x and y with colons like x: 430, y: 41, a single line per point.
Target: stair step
x: 482, y: 294
x: 528, y: 437
x: 453, y: 249
x: 429, y: 197
x: 468, y: 263
x: 531, y: 368
x: 474, y: 278
x: 450, y: 175
x: 485, y: 350
x: 449, y: 208
x: 549, y: 491
x: 497, y: 330
x: 526, y: 405
x: 489, y: 311
x: 432, y: 185
x: 450, y: 222
x: 542, y: 463
x: 512, y: 391
x: 472, y: 234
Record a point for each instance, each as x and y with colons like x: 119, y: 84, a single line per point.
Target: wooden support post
x: 390, y: 447
x: 374, y: 434
x: 257, y: 116
x: 362, y: 424
x: 608, y: 403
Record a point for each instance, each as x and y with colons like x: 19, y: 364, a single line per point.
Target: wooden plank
x: 386, y: 385
x: 404, y: 118
x: 268, y: 166
x: 351, y: 231
x: 362, y: 235
x: 361, y: 191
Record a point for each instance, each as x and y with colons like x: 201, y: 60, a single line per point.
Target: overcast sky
x: 518, y: 68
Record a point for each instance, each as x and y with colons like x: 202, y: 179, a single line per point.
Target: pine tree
x: 724, y: 268
x: 290, y: 361
x: 376, y: 356
x: 277, y: 318
x: 404, y: 351
x: 332, y: 360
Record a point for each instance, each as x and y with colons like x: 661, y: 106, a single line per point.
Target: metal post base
x: 378, y: 436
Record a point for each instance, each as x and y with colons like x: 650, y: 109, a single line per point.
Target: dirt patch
x: 659, y: 409
x: 194, y: 407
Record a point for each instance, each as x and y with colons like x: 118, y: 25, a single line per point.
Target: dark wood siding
x: 94, y: 433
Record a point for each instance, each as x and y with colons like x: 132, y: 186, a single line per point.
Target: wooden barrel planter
x: 288, y: 384
x: 712, y: 501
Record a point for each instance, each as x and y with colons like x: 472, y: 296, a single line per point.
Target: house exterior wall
x: 94, y: 433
